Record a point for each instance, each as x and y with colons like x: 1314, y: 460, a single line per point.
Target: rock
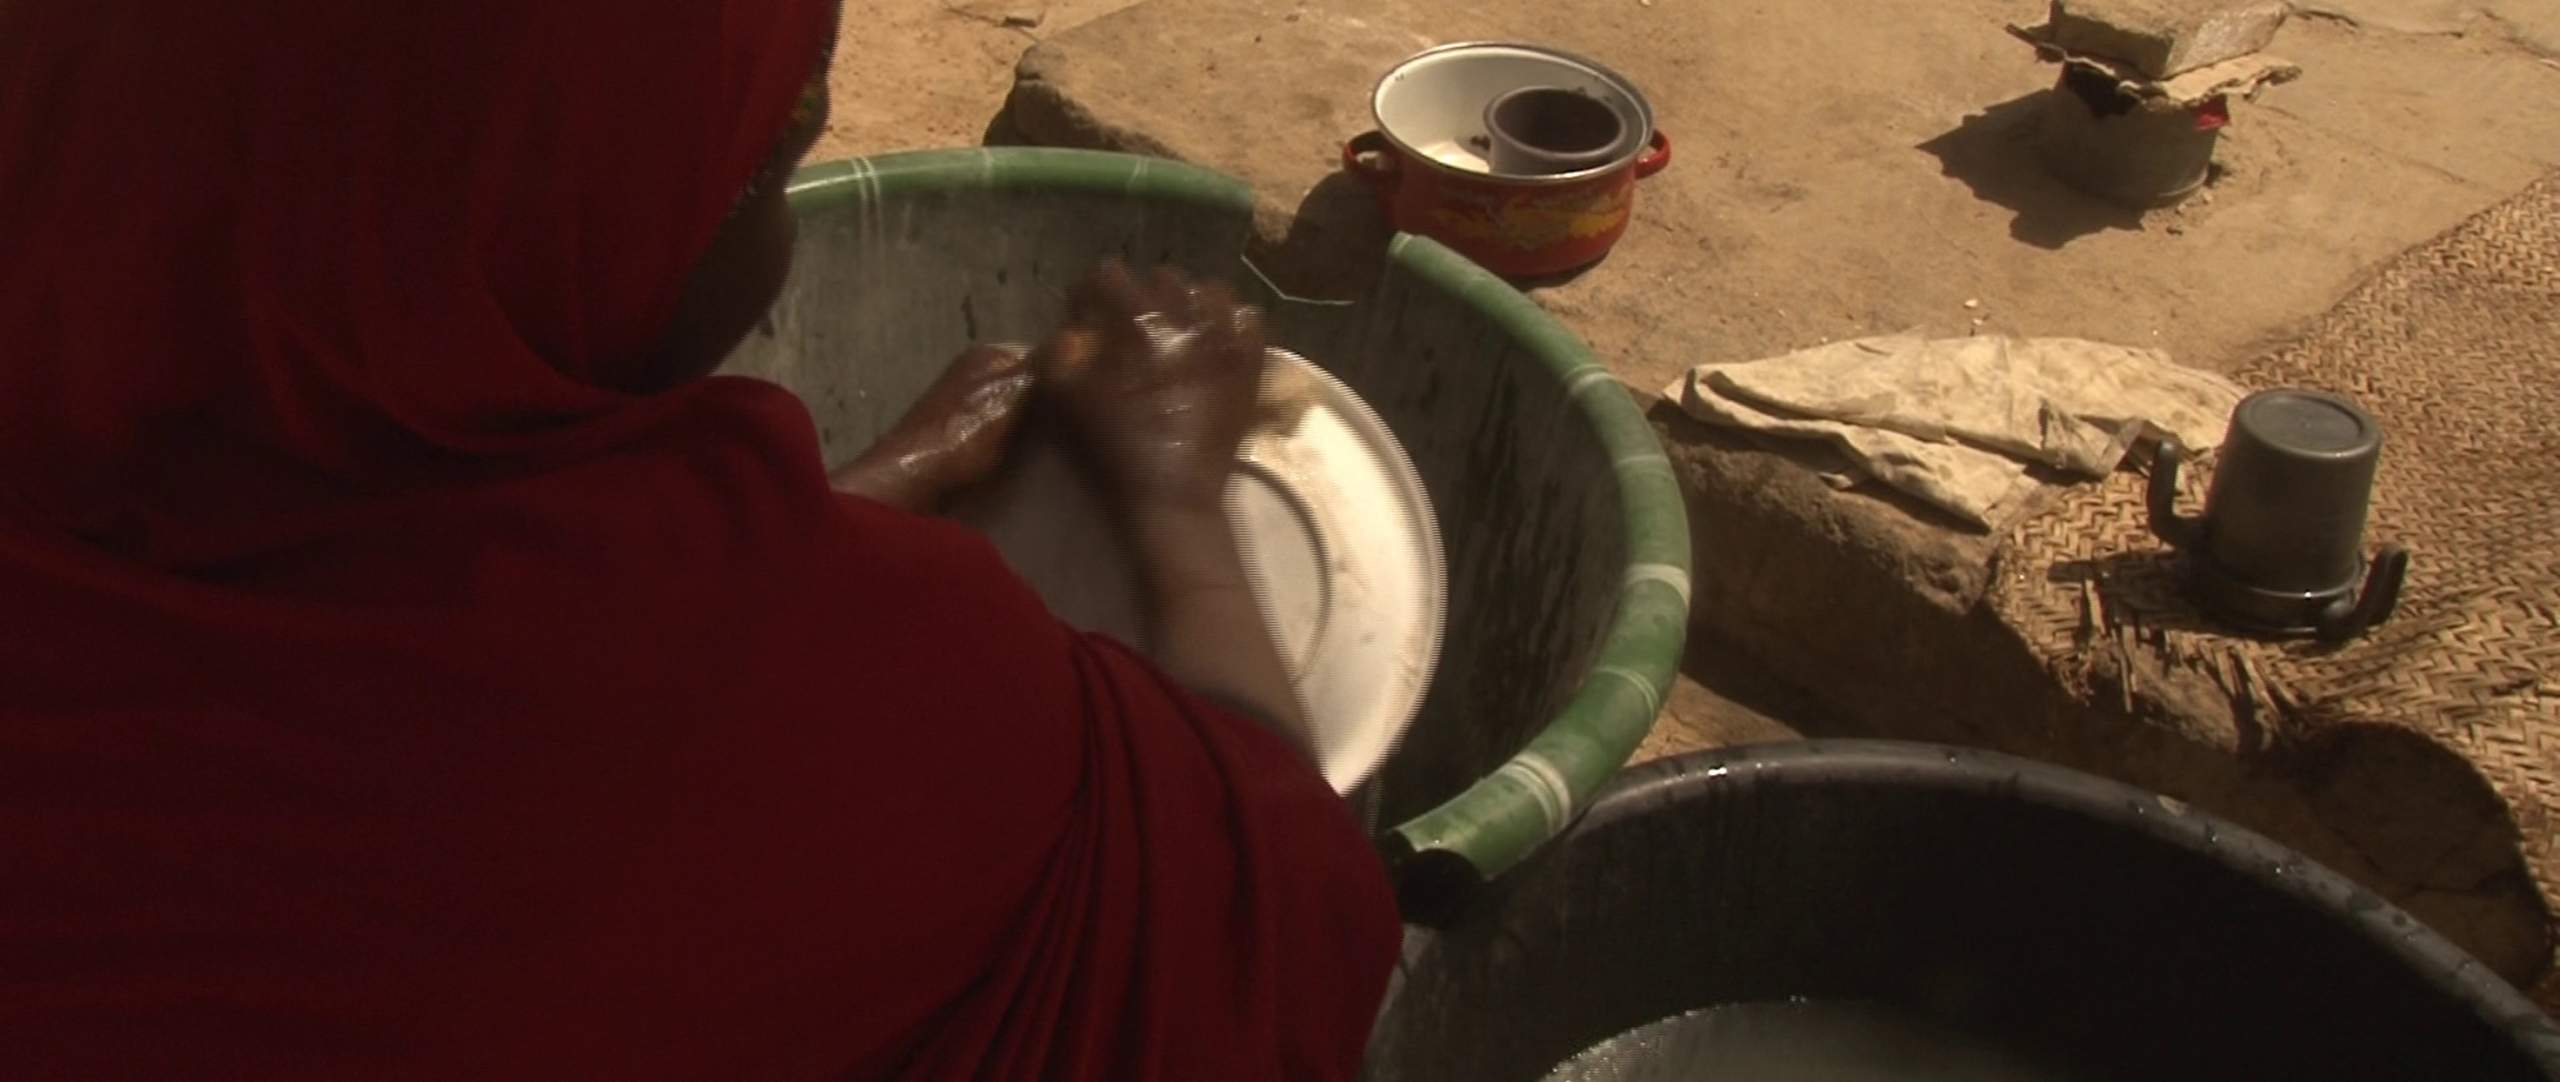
x: 2162, y: 38
x: 1258, y: 89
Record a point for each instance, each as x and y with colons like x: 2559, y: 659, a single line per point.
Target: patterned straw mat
x: 2455, y: 347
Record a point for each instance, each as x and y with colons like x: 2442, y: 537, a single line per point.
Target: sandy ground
x: 925, y: 73
x: 2413, y: 114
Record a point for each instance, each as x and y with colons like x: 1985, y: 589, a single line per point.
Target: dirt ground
x: 912, y: 74
x: 2412, y: 114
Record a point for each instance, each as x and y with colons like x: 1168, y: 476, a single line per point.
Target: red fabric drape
x: 381, y: 698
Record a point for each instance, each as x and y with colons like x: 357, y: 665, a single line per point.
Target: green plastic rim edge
x: 1535, y: 795
x: 1083, y: 172
x: 1538, y: 792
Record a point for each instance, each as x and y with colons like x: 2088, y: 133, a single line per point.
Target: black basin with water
x: 2098, y: 930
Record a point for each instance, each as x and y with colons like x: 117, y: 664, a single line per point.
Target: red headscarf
x: 381, y: 697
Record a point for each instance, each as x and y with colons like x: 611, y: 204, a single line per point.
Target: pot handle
x: 2161, y: 496
x: 1371, y: 158
x: 2346, y: 619
x: 1656, y: 156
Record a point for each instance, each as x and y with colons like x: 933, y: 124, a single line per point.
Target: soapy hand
x: 952, y: 439
x: 1158, y: 385
x: 1158, y: 382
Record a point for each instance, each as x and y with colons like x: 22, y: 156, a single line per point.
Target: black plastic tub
x: 2098, y: 930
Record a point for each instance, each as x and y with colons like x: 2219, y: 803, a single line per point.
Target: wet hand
x: 1159, y: 383
x: 954, y: 438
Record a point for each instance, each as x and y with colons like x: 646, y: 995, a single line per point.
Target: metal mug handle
x: 2380, y: 597
x: 1656, y: 156
x: 2162, y: 497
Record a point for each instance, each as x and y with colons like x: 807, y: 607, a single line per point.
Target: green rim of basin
x: 1087, y: 172
x: 1539, y: 791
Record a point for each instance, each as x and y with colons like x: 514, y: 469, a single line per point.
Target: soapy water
x: 1797, y: 1042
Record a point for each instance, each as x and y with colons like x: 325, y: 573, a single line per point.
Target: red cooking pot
x: 1432, y: 161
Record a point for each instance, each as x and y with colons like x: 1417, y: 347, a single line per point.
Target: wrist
x: 1156, y: 526
x: 886, y: 474
x: 1185, y: 547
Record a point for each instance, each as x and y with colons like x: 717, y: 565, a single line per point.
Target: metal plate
x: 1338, y: 536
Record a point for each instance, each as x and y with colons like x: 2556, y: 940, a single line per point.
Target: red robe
x: 381, y: 697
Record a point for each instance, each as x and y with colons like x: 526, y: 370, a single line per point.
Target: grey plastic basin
x: 1567, y: 543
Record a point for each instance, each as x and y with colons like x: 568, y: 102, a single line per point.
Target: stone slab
x: 2161, y: 38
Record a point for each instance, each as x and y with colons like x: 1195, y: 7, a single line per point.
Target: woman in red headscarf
x: 412, y: 665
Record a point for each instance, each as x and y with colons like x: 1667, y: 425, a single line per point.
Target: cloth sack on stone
x: 1961, y: 423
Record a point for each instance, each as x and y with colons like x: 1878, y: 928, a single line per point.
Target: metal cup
x: 2280, y: 548
x: 1546, y: 130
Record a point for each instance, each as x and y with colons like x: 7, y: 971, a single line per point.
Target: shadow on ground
x: 1002, y: 131
x: 1334, y: 246
x: 1994, y: 153
x: 1746, y: 704
x: 2147, y: 590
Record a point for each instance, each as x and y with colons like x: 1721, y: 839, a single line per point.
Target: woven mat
x: 2455, y: 347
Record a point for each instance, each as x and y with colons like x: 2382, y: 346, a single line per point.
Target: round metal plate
x: 1337, y: 534
x: 1345, y: 552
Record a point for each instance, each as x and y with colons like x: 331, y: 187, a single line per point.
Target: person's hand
x: 1159, y: 385
x: 952, y: 439
x: 1158, y: 382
